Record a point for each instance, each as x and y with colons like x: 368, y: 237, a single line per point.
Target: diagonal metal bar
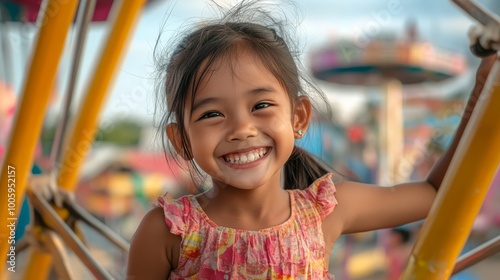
x: 480, y: 253
x: 53, y: 221
x: 30, y: 113
x: 478, y: 12
x: 483, y: 16
x: 56, y: 247
x: 98, y: 226
x: 84, y: 129
x: 83, y: 20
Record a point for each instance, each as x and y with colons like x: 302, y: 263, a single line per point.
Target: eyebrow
x: 261, y: 90
x: 255, y: 91
x: 203, y: 102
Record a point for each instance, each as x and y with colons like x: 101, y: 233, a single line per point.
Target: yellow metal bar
x: 39, y: 265
x: 36, y: 92
x: 84, y: 129
x: 463, y: 190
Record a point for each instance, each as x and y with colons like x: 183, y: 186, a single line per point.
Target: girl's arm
x: 151, y: 249
x: 480, y: 38
x: 436, y: 175
x: 364, y: 207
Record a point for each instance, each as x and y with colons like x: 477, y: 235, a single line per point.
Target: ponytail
x: 302, y: 169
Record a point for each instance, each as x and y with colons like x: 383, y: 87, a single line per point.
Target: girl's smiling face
x: 241, y: 125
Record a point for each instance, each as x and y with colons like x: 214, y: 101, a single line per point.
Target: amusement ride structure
x: 55, y: 224
x: 388, y: 64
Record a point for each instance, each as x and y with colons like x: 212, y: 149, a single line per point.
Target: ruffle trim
x: 322, y: 193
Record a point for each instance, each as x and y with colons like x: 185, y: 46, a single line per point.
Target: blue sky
x: 132, y: 94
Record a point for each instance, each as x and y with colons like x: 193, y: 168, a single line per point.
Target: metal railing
x: 52, y: 225
x: 467, y: 180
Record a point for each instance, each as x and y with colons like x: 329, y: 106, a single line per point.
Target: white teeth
x: 243, y: 158
x: 246, y: 158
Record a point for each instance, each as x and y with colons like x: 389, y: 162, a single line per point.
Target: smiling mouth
x: 247, y: 157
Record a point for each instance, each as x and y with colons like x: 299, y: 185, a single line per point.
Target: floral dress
x: 294, y: 249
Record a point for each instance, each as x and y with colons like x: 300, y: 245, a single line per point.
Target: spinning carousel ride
x: 390, y: 65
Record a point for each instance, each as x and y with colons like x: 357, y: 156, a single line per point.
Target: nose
x: 241, y: 128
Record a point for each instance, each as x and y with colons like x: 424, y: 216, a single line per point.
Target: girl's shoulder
x: 153, y: 248
x: 320, y: 195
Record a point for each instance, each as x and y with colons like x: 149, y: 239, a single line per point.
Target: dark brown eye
x: 261, y: 105
x: 210, y: 115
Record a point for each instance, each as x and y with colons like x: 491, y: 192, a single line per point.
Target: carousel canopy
x: 382, y: 60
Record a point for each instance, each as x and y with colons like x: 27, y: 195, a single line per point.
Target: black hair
x: 253, y: 27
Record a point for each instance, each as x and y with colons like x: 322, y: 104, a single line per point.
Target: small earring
x: 299, y: 132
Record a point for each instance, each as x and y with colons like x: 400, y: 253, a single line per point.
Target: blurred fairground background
x: 396, y: 73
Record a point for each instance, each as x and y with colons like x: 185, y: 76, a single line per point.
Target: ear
x: 174, y: 135
x: 301, y: 115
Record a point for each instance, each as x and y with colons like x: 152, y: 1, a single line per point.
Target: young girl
x: 236, y: 104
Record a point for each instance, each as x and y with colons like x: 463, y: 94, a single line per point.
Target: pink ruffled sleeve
x: 322, y: 193
x: 176, y: 213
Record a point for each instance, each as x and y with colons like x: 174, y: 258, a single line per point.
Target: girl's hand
x: 481, y: 75
x: 484, y: 40
x: 477, y: 35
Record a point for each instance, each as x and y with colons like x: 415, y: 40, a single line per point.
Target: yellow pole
x: 38, y: 86
x: 463, y: 190
x: 84, y: 129
x: 39, y: 265
x: 82, y: 135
